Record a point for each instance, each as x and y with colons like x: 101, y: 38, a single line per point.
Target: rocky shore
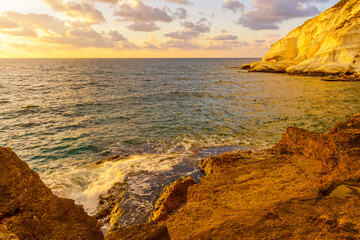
x: 306, y: 187
x: 328, y: 44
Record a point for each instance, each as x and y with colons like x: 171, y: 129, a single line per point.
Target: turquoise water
x: 62, y: 115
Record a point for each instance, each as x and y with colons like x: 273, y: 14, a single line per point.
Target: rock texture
x: 306, y: 187
x: 326, y: 44
x: 148, y: 231
x: 171, y: 198
x: 29, y: 210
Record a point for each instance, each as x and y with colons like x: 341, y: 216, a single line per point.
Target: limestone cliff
x: 326, y: 44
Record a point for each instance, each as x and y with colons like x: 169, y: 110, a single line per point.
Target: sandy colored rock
x: 171, y: 198
x: 245, y: 66
x: 326, y: 44
x: 29, y: 210
x: 306, y: 187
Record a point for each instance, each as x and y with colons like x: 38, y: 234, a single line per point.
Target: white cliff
x: 326, y: 44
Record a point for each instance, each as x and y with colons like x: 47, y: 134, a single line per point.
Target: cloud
x: 192, y: 30
x: 143, y: 27
x: 83, y: 12
x: 227, y: 45
x: 116, y: 36
x: 268, y: 14
x: 7, y: 23
x: 186, y: 2
x: 180, y: 44
x: 36, y: 21
x: 224, y: 37
x: 56, y: 5
x: 42, y: 28
x: 233, y: 5
x: 23, y: 32
x: 180, y: 13
x: 136, y: 11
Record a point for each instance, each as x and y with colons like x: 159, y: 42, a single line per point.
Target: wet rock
x: 109, y: 204
x: 29, y: 210
x: 147, y: 231
x: 171, y: 198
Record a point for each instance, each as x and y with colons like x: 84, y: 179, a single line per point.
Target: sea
x: 161, y: 116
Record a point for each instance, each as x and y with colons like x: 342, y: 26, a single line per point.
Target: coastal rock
x: 306, y: 187
x: 338, y: 149
x: 171, y: 198
x: 29, y: 210
x: 245, y: 66
x: 147, y: 231
x: 326, y: 44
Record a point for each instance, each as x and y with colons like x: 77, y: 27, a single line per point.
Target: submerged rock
x: 326, y: 44
x: 29, y: 210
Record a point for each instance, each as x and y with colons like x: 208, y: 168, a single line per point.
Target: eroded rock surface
x: 326, y: 44
x: 29, y: 210
x: 306, y: 187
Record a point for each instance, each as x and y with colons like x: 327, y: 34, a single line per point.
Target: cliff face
x: 328, y: 44
x: 29, y: 210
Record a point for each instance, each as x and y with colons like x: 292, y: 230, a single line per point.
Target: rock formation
x: 306, y: 187
x: 147, y: 231
x: 172, y: 197
x: 327, y: 44
x: 29, y: 210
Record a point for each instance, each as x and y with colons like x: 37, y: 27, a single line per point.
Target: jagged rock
x: 29, y: 210
x: 326, y: 44
x: 340, y: 148
x: 306, y: 187
x: 147, y: 231
x: 171, y: 198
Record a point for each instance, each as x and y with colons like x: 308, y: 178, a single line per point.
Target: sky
x: 149, y: 28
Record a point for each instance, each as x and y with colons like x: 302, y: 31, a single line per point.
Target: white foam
x: 86, y: 183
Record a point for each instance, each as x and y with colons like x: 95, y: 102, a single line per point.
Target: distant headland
x: 328, y: 44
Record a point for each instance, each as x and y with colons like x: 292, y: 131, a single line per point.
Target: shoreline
x: 309, y: 175
x: 339, y: 77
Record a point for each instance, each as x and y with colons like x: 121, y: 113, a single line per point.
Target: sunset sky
x: 149, y: 28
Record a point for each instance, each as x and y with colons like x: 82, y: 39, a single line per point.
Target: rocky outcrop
x: 306, y: 187
x: 339, y: 149
x: 327, y: 44
x: 171, y: 198
x: 147, y: 231
x: 29, y: 210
